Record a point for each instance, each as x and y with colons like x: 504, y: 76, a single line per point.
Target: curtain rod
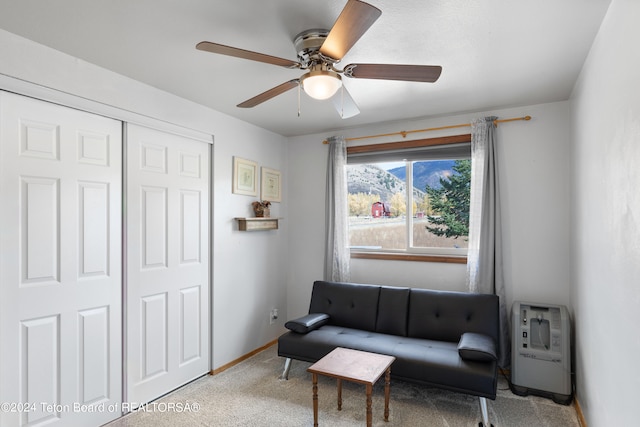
x: 404, y: 133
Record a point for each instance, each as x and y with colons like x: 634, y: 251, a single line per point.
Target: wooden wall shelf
x: 257, y: 224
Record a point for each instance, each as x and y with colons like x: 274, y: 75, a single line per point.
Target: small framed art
x: 245, y: 177
x: 271, y: 188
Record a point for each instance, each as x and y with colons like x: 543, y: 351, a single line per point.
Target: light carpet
x: 252, y: 394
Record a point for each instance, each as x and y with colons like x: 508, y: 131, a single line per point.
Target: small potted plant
x: 261, y: 208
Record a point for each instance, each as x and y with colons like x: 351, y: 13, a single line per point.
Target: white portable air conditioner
x: 541, y: 354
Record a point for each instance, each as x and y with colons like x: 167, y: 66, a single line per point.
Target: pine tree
x: 450, y: 202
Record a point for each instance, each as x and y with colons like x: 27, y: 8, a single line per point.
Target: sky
x: 390, y: 165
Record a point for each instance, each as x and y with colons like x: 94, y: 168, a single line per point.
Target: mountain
x: 371, y: 179
x: 426, y: 173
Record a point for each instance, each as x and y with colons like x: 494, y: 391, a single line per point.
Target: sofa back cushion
x: 393, y: 305
x: 446, y: 315
x: 347, y: 304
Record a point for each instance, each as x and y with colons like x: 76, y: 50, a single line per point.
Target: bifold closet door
x: 167, y: 285
x: 60, y: 268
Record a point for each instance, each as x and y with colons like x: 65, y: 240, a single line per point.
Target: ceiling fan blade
x: 354, y: 20
x: 344, y: 103
x: 271, y: 93
x: 246, y: 54
x: 411, y: 73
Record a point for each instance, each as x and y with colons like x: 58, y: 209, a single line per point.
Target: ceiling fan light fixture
x: 318, y: 50
x: 321, y: 84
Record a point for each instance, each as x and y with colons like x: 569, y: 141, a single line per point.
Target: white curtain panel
x: 484, y: 258
x: 337, y: 256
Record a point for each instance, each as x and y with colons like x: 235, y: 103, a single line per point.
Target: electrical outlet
x: 273, y: 316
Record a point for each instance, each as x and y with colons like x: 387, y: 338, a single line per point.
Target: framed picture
x: 271, y: 189
x: 245, y: 177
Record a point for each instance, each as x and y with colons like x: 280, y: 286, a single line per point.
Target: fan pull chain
x: 342, y: 101
x: 299, y: 89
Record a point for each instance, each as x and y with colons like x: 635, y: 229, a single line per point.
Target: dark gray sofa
x: 439, y: 338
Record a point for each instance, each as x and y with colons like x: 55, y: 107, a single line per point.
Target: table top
x: 352, y: 365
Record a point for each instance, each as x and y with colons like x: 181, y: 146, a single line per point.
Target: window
x: 431, y: 219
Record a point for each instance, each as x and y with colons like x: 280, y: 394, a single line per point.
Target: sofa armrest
x: 307, y: 323
x: 477, y: 347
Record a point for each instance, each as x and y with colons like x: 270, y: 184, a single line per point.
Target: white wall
x: 606, y: 221
x: 249, y: 269
x: 534, y: 181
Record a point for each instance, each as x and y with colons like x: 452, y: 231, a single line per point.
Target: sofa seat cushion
x: 417, y: 360
x: 439, y: 364
x: 316, y: 344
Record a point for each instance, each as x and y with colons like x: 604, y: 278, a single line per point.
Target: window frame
x: 445, y: 255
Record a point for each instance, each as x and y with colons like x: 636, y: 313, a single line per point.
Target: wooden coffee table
x: 357, y: 366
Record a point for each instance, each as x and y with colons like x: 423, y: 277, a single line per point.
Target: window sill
x: 410, y: 257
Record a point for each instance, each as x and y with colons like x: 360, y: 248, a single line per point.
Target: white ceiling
x: 494, y: 53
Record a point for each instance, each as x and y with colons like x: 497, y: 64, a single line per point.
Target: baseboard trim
x: 242, y: 358
x: 581, y: 419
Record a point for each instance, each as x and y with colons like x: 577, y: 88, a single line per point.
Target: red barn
x: 379, y: 209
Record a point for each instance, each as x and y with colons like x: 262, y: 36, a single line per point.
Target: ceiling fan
x: 320, y: 50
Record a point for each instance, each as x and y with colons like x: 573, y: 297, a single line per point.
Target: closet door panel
x: 167, y: 262
x: 60, y: 270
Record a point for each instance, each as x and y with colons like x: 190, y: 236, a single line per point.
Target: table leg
x: 369, y: 417
x: 315, y: 399
x: 339, y: 394
x: 387, y: 387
